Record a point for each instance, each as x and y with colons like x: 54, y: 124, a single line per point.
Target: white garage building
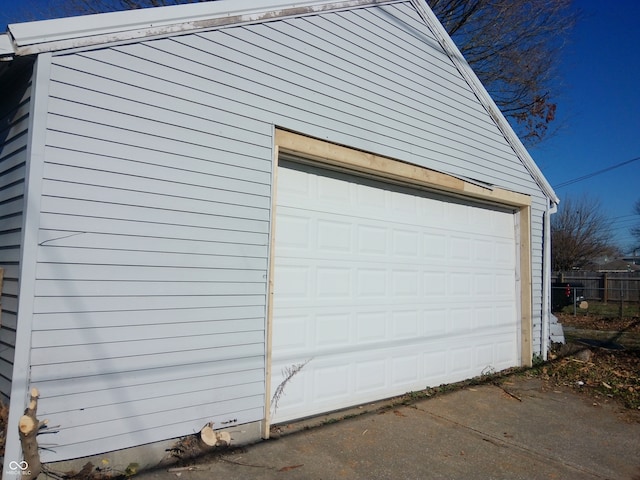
x: 197, y: 200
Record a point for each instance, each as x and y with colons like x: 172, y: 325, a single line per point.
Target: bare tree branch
x: 635, y: 230
x: 580, y: 233
x: 513, y: 46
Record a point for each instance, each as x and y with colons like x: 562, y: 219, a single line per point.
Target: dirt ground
x: 592, y: 322
x: 609, y: 371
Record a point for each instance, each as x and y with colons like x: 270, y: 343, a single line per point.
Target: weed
x: 288, y: 373
x: 537, y: 360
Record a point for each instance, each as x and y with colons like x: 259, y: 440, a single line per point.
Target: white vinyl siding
x: 150, y: 293
x: 14, y: 121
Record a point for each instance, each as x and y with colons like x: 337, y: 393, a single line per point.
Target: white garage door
x: 382, y: 290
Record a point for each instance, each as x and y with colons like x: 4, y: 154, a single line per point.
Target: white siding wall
x: 14, y: 121
x: 150, y: 297
x: 151, y: 279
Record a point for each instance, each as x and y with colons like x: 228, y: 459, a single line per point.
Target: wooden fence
x: 602, y: 286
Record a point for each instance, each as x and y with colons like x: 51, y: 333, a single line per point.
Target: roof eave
x: 115, y: 27
x: 6, y: 48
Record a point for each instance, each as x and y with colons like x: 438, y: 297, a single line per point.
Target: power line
x: 622, y: 221
x: 621, y: 227
x: 599, y: 172
x: 627, y: 215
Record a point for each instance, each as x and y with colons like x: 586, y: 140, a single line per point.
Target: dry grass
x: 599, y: 322
x: 607, y: 374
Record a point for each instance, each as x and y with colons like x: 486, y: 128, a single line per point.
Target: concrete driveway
x: 479, y: 432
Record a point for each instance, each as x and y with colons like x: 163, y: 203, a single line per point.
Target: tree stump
x: 28, y: 427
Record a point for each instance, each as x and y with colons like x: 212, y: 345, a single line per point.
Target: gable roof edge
x: 6, y: 47
x: 478, y: 88
x: 115, y: 27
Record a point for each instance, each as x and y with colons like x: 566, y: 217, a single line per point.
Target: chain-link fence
x: 598, y: 293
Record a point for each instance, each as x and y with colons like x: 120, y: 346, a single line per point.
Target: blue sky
x: 598, y: 120
x: 599, y: 113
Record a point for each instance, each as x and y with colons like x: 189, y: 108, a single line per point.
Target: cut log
x: 214, y: 439
x: 224, y: 439
x: 208, y: 436
x: 28, y: 427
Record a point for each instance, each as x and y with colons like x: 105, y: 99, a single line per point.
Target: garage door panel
x: 371, y: 282
x: 330, y: 191
x: 485, y: 355
x: 405, y: 371
x: 504, y: 352
x: 460, y: 321
x: 331, y: 382
x: 459, y: 249
x: 332, y: 330
x: 405, y: 324
x: 293, y: 183
x: 326, y: 236
x: 461, y: 360
x: 336, y: 381
x: 504, y: 316
x: 293, y: 232
x: 371, y: 327
x: 370, y: 199
x: 383, y: 289
x: 333, y: 327
x: 435, y: 247
x: 484, y: 284
x: 372, y: 239
x: 297, y: 338
x: 334, y: 236
x: 295, y: 281
x: 320, y: 279
x: 370, y: 376
x: 333, y: 282
x: 482, y: 251
x: 434, y: 321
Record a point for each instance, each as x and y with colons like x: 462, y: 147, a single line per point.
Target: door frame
x: 338, y: 157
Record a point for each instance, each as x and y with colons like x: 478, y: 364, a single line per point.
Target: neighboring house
x: 632, y: 259
x: 626, y: 264
x: 197, y: 199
